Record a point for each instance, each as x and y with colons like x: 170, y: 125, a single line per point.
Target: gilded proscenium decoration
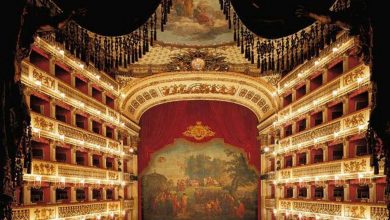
x: 198, y: 131
x: 202, y: 85
x: 198, y: 88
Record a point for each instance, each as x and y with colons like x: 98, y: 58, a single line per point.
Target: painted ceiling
x: 196, y: 22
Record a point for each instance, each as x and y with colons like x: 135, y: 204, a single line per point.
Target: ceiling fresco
x: 196, y: 22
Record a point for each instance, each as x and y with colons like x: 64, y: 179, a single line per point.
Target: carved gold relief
x: 199, y: 88
x: 112, y: 176
x: 198, y: 131
x: 351, y: 77
x: 43, y: 169
x: 44, y: 213
x: 113, y: 206
x: 355, y: 166
x: 285, y: 205
x: 45, y: 80
x: 354, y: 121
x: 355, y: 211
x: 285, y: 174
x: 41, y: 123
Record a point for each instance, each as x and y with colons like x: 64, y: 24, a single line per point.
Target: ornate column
x: 89, y: 159
x: 73, y: 154
x: 104, y: 193
x: 73, y: 116
x: 89, y: 193
x: 372, y: 191
x: 345, y: 63
x: 52, y: 194
x: 52, y: 107
x: 52, y: 150
x: 345, y: 100
x: 345, y: 148
x: 104, y: 159
x: 325, y: 152
x: 346, y: 192
x: 295, y: 191
x: 73, y: 194
x: 326, y: 196
x: 73, y: 78
x: 26, y: 195
x: 52, y: 62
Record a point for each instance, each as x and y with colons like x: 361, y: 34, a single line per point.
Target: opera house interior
x: 193, y: 110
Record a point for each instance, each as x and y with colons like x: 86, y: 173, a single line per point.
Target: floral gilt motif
x: 198, y: 131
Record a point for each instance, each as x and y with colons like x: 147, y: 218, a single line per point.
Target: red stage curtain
x: 235, y: 124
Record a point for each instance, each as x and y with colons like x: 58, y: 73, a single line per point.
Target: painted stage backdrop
x: 197, y: 181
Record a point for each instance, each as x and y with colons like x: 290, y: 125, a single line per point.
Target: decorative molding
x: 198, y: 131
x: 356, y: 166
x: 169, y: 87
x: 44, y: 213
x: 355, y: 211
x: 355, y: 120
x: 198, y: 88
x: 42, y: 123
x: 44, y: 79
x: 42, y: 168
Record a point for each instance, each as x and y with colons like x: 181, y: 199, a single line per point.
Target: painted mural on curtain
x: 197, y: 181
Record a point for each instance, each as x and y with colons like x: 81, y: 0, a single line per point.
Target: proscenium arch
x: 145, y: 93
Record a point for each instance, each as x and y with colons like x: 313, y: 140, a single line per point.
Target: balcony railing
x: 68, y: 211
x: 348, y: 168
x: 68, y: 173
x: 336, y: 209
x: 56, y: 130
x: 341, y: 127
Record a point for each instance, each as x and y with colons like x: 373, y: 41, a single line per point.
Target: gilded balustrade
x: 66, y: 210
x: 339, y: 209
x: 334, y: 168
x: 52, y: 171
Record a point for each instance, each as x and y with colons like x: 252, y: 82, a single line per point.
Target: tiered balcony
x: 35, y: 78
x: 56, y: 130
x: 338, y: 128
x: 345, y: 210
x: 348, y: 82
